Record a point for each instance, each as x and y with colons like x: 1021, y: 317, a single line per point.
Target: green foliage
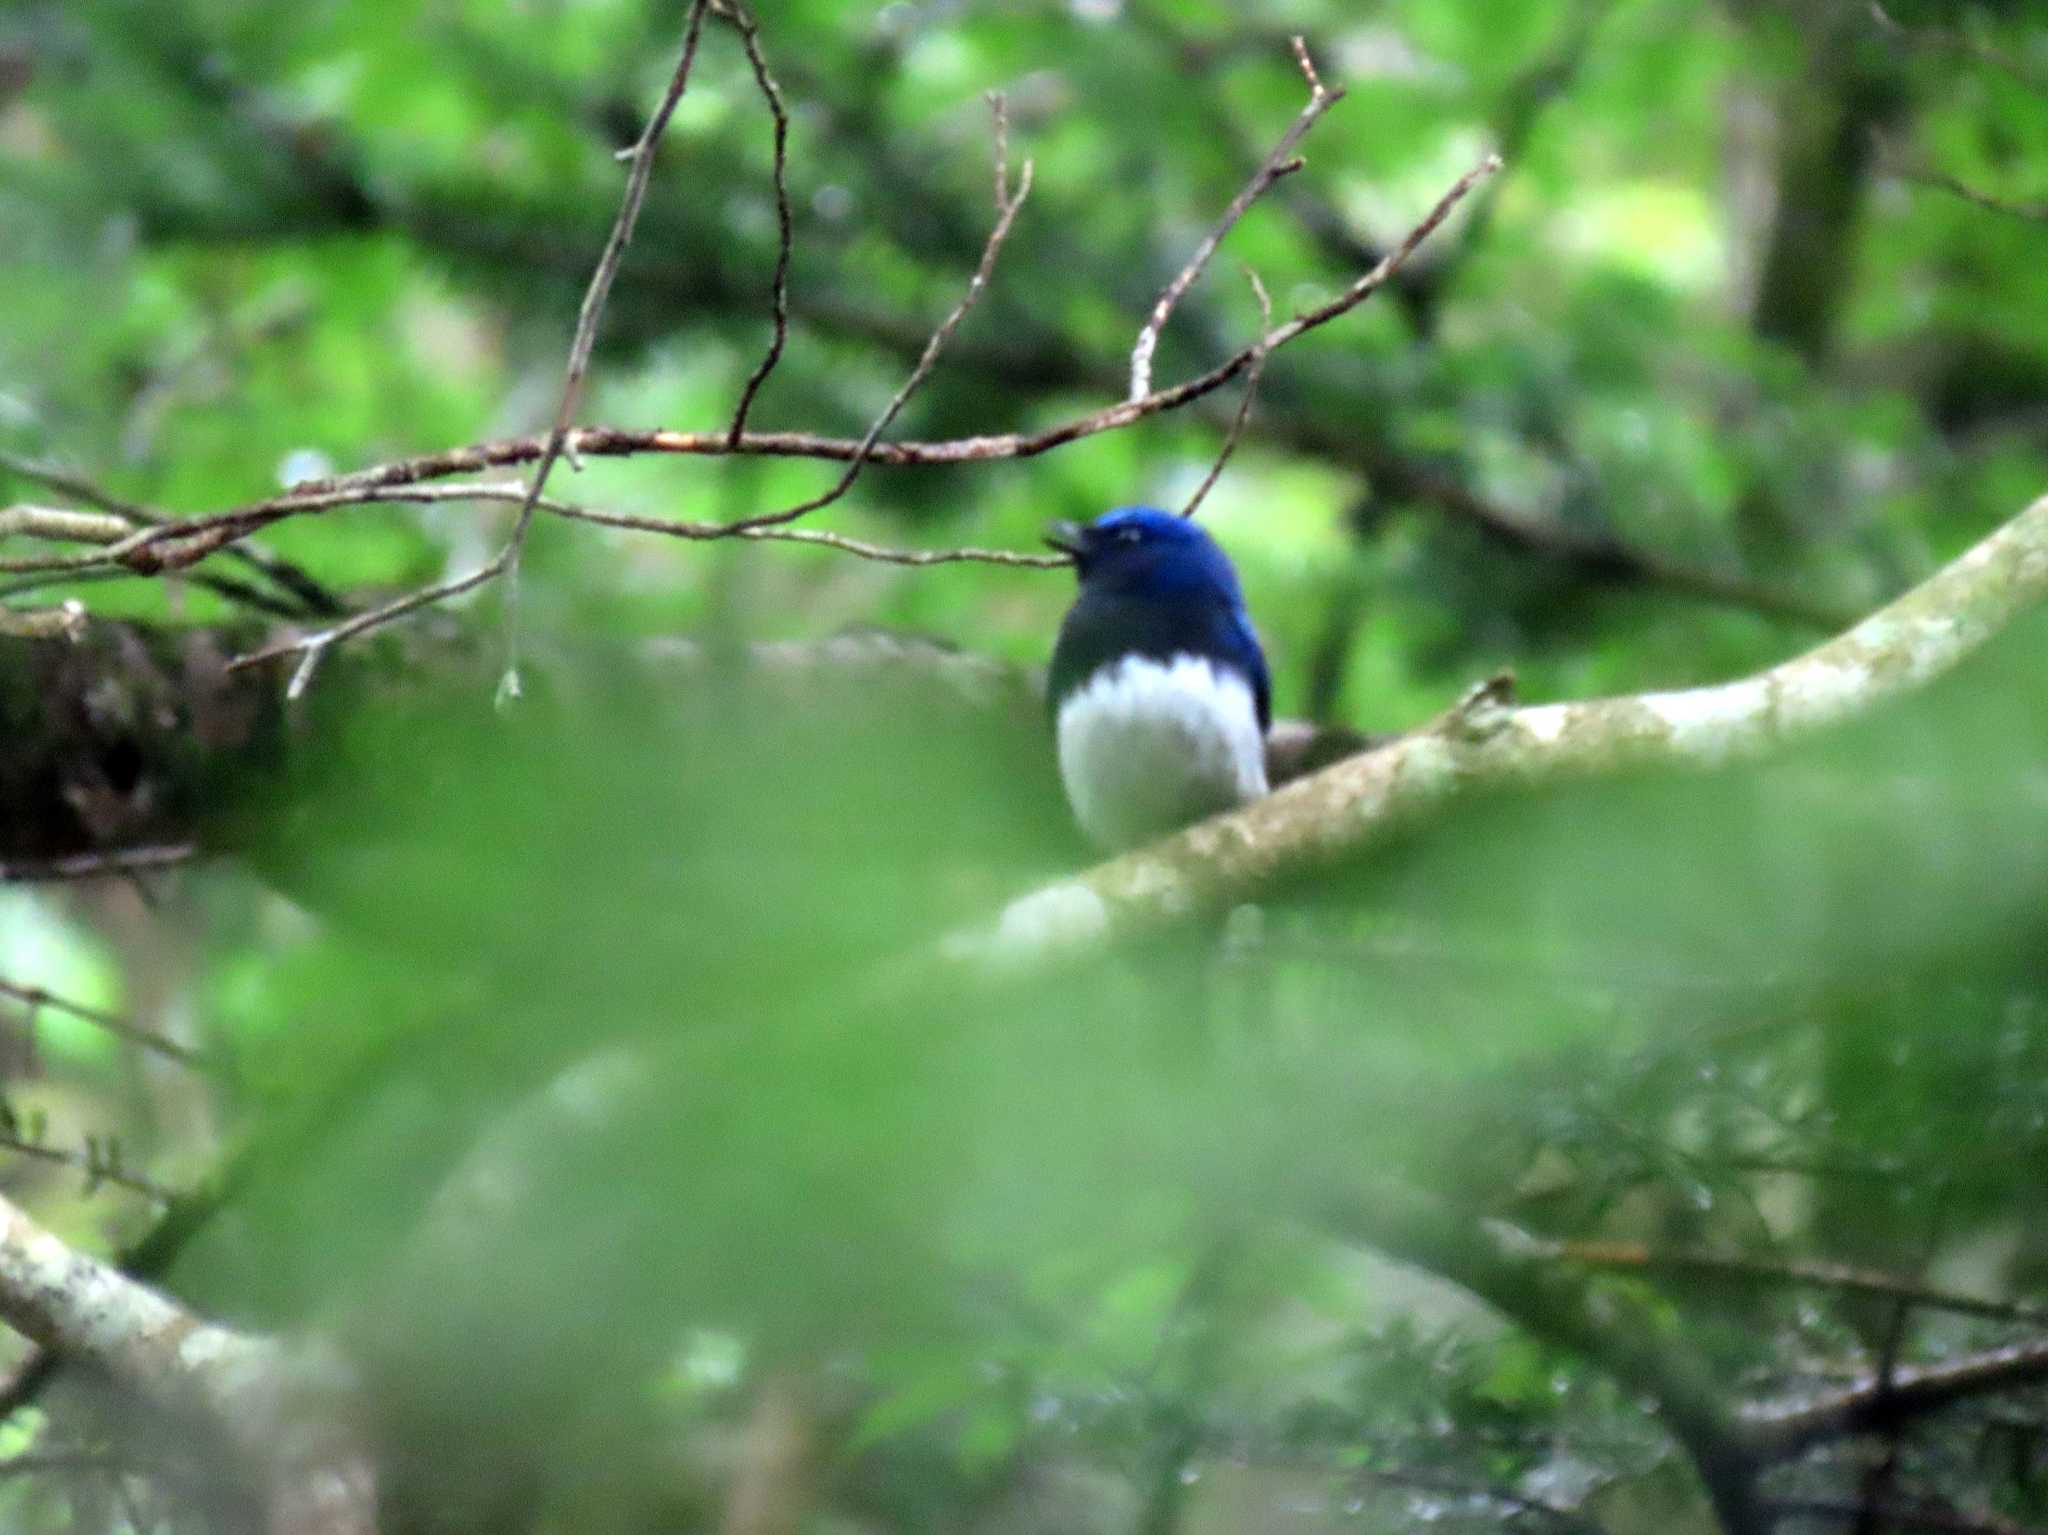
x: 589, y: 1067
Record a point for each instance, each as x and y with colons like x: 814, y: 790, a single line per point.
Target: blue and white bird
x: 1159, y: 693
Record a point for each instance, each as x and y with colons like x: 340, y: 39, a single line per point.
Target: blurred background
x: 552, y: 1060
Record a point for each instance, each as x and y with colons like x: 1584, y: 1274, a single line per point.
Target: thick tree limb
x: 1485, y: 742
x: 250, y: 1390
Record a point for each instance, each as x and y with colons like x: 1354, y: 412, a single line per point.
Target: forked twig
x: 1007, y: 205
x: 506, y: 561
x: 173, y: 544
x: 310, y: 594
x: 177, y: 543
x: 1280, y: 162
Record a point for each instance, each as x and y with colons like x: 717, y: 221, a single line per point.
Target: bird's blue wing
x: 1254, y: 663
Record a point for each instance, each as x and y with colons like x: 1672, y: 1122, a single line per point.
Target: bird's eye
x: 1129, y: 535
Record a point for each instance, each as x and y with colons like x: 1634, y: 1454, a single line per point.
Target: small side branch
x: 1281, y: 161
x: 506, y: 561
x: 771, y: 93
x: 35, y: 998
x: 98, y: 1162
x: 1936, y: 40
x: 1007, y: 205
x: 1244, y: 405
x: 291, y: 579
x: 1739, y: 1268
x: 641, y: 160
x: 1876, y: 1403
x: 123, y: 862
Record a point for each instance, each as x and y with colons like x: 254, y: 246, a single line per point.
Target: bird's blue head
x: 1140, y: 551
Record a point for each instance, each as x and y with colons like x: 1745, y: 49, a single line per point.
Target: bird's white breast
x: 1147, y: 746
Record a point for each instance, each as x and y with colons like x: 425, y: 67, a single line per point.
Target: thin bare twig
x: 2034, y: 213
x: 282, y: 572
x: 1244, y: 405
x: 1740, y: 1267
x: 179, y: 542
x: 48, y: 1464
x: 35, y: 997
x: 1934, y: 39
x: 1007, y: 205
x: 999, y: 112
x: 1280, y: 162
x: 381, y: 481
x: 750, y: 39
x: 226, y: 586
x: 641, y: 158
x: 506, y: 561
x: 98, y: 1165
x: 122, y: 861
x: 515, y: 492
x: 818, y: 536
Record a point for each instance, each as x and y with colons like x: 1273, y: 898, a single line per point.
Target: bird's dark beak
x: 1067, y: 537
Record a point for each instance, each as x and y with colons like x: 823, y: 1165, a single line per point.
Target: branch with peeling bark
x: 1487, y: 742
